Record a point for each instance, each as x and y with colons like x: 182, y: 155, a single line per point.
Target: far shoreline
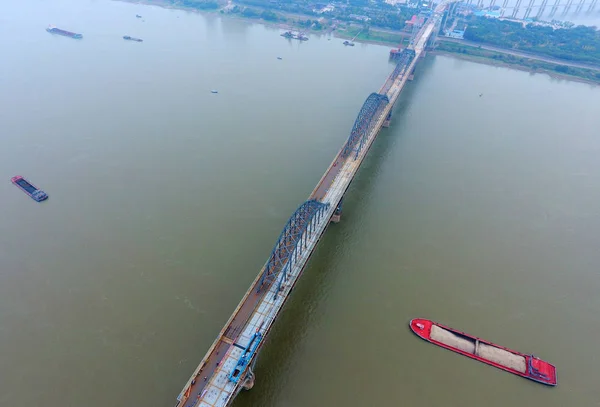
x: 517, y: 67
x: 334, y: 33
x: 341, y: 35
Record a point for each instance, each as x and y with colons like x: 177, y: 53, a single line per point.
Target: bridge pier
x: 388, y: 119
x: 337, y: 214
x: 249, y: 380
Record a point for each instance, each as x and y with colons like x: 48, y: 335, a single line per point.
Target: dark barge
x: 128, y: 38
x: 34, y: 192
x: 53, y: 30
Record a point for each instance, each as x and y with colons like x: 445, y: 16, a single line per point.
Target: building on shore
x: 458, y: 34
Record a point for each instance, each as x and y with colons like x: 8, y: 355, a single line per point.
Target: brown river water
x: 481, y: 213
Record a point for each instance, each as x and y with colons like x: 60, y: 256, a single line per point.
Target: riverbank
x: 284, y: 20
x: 533, y: 65
x: 372, y: 36
x: 475, y: 53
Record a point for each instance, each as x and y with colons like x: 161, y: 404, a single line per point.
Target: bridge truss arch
x: 360, y: 130
x: 404, y: 59
x: 292, y: 240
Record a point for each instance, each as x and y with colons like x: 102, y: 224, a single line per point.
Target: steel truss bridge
x: 228, y: 366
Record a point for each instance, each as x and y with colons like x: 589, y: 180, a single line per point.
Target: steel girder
x: 291, y: 242
x: 360, y: 130
x: 383, y: 101
x: 405, y: 59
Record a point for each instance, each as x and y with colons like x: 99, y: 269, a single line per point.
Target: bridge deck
x: 210, y: 385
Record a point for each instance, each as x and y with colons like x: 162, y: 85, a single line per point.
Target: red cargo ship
x: 523, y: 365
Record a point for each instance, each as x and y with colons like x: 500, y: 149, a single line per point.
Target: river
x: 480, y: 212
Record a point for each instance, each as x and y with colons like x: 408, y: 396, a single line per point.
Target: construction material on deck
x: 502, y: 357
x: 450, y: 339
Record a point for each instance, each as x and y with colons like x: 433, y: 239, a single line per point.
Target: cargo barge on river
x: 527, y: 366
x: 34, y: 192
x: 128, y: 38
x: 53, y: 30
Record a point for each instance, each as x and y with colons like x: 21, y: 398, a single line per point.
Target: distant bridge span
x: 542, y: 7
x: 228, y: 366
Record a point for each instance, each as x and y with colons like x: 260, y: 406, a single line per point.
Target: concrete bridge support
x: 388, y: 119
x: 411, y: 75
x: 249, y: 380
x: 337, y: 214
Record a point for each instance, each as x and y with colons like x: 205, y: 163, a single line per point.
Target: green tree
x: 269, y: 16
x: 580, y: 43
x: 250, y: 13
